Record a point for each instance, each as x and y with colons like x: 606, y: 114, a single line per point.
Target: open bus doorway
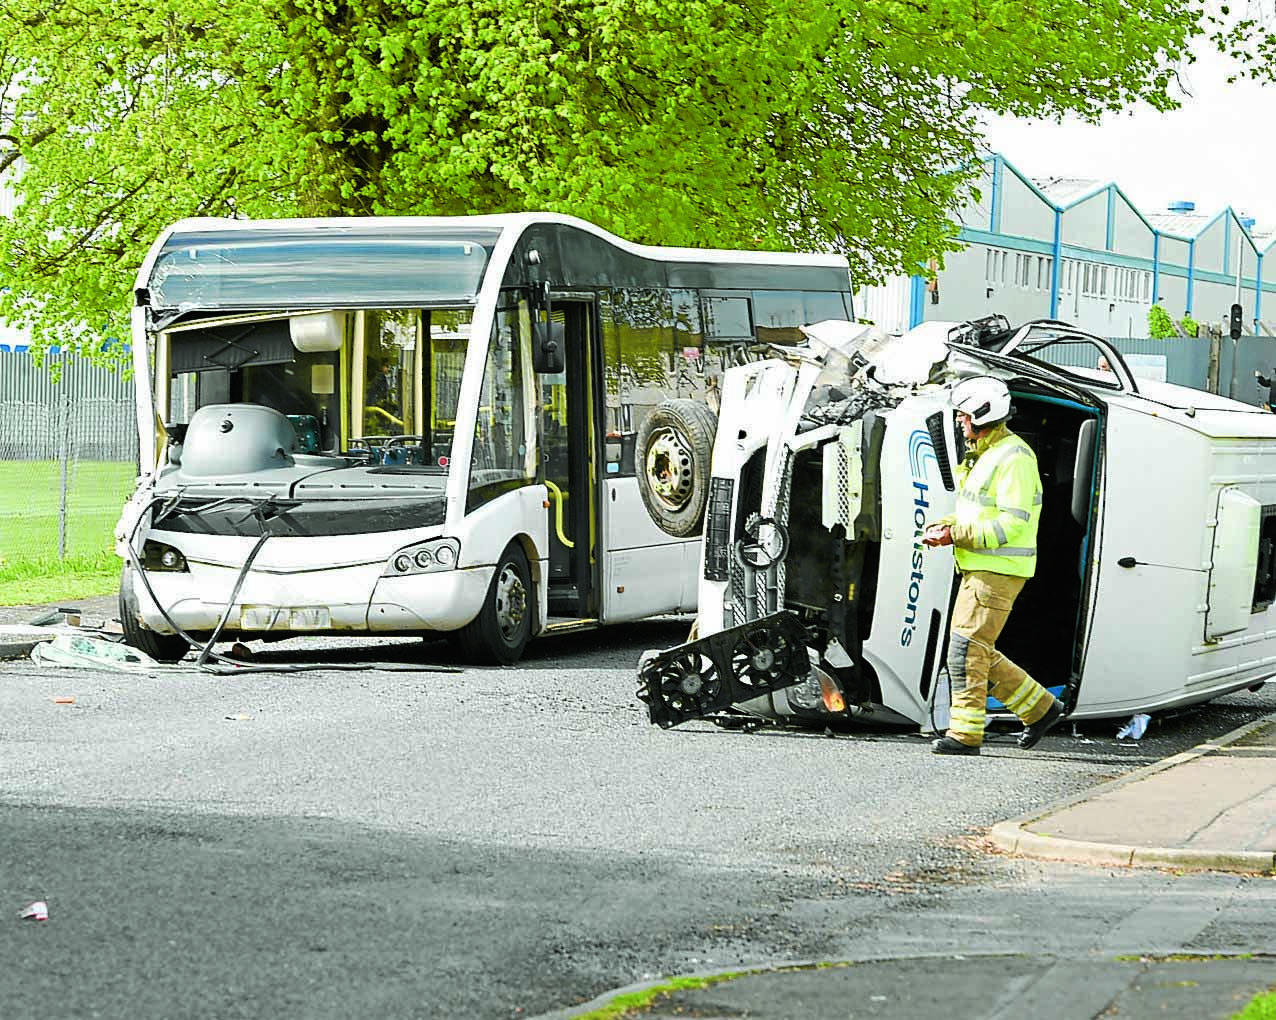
x: 568, y: 441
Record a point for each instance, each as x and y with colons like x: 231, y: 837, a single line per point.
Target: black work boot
x: 949, y: 745
x: 1033, y: 732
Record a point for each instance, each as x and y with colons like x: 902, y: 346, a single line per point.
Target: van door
x: 1233, y: 564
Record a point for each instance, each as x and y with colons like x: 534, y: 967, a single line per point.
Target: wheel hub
x: 669, y: 469
x: 511, y: 602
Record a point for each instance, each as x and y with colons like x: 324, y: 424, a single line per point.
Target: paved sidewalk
x: 987, y: 987
x: 1213, y: 807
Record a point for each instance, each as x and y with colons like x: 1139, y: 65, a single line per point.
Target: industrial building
x: 1081, y: 251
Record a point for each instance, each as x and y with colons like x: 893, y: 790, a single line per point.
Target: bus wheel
x: 674, y: 447
x: 161, y: 647
x: 500, y: 632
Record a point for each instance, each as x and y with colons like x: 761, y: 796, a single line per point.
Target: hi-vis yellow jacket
x: 998, y: 506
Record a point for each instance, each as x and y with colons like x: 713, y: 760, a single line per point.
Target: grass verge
x: 37, y: 581
x: 1263, y: 1007
x: 629, y: 1003
x: 44, y: 511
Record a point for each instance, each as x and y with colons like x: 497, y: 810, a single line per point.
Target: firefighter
x: 994, y: 534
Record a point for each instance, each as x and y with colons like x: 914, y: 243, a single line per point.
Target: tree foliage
x: 1160, y: 325
x: 756, y: 123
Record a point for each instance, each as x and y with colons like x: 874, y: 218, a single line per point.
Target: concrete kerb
x: 1014, y: 836
x: 16, y: 641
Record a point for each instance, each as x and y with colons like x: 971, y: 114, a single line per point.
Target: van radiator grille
x: 935, y: 426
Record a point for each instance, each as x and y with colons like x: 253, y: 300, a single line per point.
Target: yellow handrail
x: 557, y: 493
x: 385, y: 414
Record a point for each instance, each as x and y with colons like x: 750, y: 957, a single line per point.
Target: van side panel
x: 1146, y: 647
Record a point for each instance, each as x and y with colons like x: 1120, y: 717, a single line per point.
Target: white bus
x: 486, y: 426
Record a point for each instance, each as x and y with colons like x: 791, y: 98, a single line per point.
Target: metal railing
x: 68, y: 457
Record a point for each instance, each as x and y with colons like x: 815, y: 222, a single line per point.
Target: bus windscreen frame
x: 240, y: 269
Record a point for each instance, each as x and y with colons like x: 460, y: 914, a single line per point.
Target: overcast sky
x: 1218, y: 150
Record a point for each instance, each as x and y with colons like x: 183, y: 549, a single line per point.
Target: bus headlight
x: 425, y: 557
x: 161, y: 558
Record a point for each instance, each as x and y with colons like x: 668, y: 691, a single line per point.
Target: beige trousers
x: 976, y: 668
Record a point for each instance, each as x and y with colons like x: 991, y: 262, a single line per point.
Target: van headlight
x: 424, y: 558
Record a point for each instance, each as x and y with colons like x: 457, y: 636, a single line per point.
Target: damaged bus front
x: 819, y: 602
x: 474, y: 426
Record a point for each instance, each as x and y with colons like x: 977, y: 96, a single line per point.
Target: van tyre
x: 161, y: 647
x: 674, y: 448
x: 500, y: 632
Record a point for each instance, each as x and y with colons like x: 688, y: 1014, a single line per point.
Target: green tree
x: 762, y: 123
x: 1160, y: 325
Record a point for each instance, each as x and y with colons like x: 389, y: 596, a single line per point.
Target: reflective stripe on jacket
x: 998, y: 506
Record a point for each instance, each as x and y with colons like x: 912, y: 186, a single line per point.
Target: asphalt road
x: 500, y: 843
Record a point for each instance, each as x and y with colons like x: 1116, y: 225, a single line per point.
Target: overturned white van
x: 1156, y: 553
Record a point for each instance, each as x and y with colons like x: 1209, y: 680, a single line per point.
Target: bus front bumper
x: 337, y: 599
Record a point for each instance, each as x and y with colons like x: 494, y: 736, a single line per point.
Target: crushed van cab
x: 1156, y: 565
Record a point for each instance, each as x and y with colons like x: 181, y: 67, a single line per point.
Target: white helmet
x: 985, y: 399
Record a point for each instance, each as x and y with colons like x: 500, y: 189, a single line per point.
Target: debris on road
x: 37, y: 911
x: 78, y: 651
x: 1135, y: 728
x: 64, y: 699
x: 240, y: 717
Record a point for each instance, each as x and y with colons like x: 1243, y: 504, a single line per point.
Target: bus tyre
x: 161, y: 647
x: 674, y: 448
x: 501, y: 630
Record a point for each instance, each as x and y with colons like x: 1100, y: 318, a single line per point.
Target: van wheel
x: 503, y: 626
x: 674, y: 448
x: 160, y: 647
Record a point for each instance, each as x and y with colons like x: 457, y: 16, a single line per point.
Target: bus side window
x: 777, y: 316
x: 641, y: 366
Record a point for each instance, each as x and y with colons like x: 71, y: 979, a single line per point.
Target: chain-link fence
x: 68, y: 459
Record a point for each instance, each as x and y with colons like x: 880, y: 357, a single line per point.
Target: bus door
x: 568, y: 440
